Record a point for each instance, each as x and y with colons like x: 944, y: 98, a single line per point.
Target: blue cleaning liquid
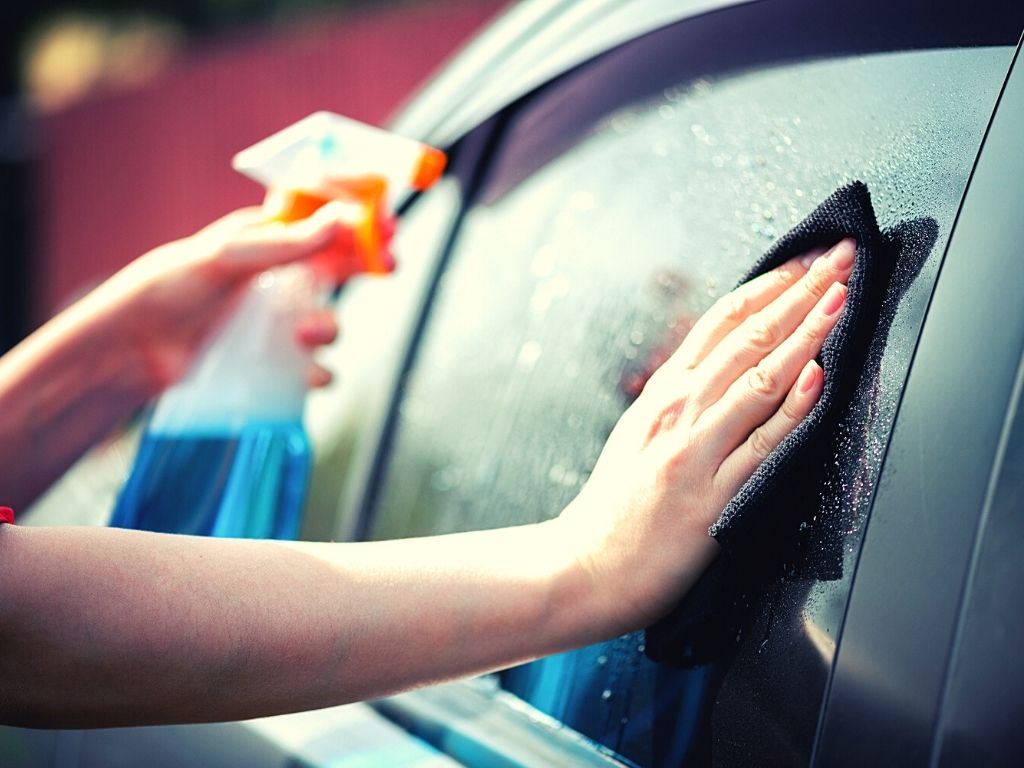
x: 247, y: 485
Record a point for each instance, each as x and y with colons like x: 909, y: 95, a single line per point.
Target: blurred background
x: 118, y: 118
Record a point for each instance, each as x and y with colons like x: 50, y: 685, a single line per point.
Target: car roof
x: 528, y: 45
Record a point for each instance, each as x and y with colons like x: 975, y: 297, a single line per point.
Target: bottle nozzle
x: 326, y: 157
x: 429, y: 168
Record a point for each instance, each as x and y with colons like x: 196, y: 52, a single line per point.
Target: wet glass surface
x: 565, y: 289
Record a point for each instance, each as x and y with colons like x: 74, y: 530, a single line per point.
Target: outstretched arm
x: 103, y: 627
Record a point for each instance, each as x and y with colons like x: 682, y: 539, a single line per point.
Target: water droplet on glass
x: 529, y: 354
x: 543, y: 263
x: 547, y: 292
x: 622, y: 123
x: 701, y: 87
x: 412, y: 410
x: 443, y: 480
x: 583, y: 200
x: 675, y: 93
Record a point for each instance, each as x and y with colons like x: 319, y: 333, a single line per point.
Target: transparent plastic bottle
x: 225, y: 452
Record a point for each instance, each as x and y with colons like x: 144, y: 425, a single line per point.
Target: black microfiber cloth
x: 773, y: 518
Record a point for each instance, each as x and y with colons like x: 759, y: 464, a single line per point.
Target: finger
x: 274, y: 243
x: 741, y: 463
x: 317, y: 376
x: 761, y: 333
x: 737, y: 305
x: 753, y: 397
x: 317, y: 329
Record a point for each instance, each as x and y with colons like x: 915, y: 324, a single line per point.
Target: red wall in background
x: 121, y: 174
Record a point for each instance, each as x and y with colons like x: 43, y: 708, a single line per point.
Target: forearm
x: 104, y: 627
x: 62, y: 389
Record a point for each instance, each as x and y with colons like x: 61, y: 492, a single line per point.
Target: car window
x: 570, y: 280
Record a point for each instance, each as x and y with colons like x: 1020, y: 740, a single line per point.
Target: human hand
x: 741, y: 380
x: 171, y: 298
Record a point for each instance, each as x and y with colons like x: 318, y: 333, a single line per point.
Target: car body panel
x: 776, y: 698
x: 529, y: 45
x: 884, y: 706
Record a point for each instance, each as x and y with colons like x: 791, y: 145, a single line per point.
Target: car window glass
x: 565, y: 289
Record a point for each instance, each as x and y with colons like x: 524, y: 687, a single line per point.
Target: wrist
x: 635, y: 566
x: 143, y: 310
x: 100, y: 342
x: 582, y: 592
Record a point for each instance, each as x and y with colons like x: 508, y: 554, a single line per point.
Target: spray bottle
x: 225, y: 452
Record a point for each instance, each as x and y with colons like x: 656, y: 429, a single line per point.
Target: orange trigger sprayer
x: 327, y: 157
x: 366, y: 247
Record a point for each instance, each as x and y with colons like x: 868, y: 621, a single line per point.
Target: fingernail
x: 843, y: 253
x: 834, y: 299
x: 808, y: 377
x: 808, y: 258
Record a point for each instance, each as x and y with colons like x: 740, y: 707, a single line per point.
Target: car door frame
x: 900, y: 634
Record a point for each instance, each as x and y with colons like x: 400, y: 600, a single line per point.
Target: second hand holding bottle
x: 225, y: 452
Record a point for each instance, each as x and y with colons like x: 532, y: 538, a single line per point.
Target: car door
x: 595, y: 217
